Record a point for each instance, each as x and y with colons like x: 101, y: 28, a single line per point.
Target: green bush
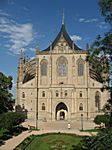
x: 10, y: 119
x: 4, y: 134
x: 102, y: 141
x: 25, y: 143
x: 102, y: 119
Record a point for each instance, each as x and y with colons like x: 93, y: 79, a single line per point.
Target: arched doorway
x: 61, y: 111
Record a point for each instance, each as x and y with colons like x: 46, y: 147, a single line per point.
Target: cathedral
x: 59, y: 83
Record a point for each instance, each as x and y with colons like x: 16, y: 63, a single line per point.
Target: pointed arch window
x: 97, y: 100
x: 81, y: 107
x: 43, y: 65
x: 43, y: 106
x: 62, y: 66
x: 80, y: 67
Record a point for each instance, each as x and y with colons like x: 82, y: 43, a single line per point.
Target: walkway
x: 46, y: 128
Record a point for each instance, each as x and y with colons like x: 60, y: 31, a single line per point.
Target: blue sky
x: 28, y: 24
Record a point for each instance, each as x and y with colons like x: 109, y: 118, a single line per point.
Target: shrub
x: 10, y: 119
x: 25, y: 143
x: 102, y: 119
x: 4, y: 134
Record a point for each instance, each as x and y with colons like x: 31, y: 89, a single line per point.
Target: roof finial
x: 63, y: 18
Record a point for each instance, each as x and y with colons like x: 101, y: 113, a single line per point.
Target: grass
x: 54, y: 141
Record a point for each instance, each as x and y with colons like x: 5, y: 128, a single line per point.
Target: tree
x: 101, y: 53
x: 5, y: 95
x: 10, y: 119
x: 101, y: 49
x: 102, y: 141
x: 106, y: 10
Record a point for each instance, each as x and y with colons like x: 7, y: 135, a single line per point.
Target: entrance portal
x: 62, y: 115
x: 61, y: 111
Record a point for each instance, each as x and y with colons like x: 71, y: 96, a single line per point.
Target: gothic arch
x: 62, y: 66
x: 61, y: 111
x: 97, y: 100
x: 43, y: 67
x: 80, y: 67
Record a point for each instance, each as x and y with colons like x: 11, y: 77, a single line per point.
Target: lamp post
x: 37, y: 121
x: 82, y: 122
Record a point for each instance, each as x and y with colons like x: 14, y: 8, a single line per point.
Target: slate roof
x: 67, y: 38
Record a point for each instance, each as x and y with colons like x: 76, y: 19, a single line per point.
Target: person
x: 69, y: 126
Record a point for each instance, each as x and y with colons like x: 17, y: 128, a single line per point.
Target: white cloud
x: 76, y: 38
x: 88, y: 20
x: 3, y: 13
x: 32, y: 49
x: 81, y: 19
x: 31, y: 58
x: 101, y: 26
x: 26, y: 8
x: 18, y: 35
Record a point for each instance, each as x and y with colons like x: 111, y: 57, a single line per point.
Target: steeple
x: 63, y: 18
x: 20, y: 68
x: 63, y: 33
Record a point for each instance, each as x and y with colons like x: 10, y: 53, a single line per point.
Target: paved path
x: 59, y: 127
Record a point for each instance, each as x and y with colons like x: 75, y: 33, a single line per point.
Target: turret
x: 20, y: 68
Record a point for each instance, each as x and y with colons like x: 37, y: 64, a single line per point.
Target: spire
x: 20, y: 67
x: 21, y: 54
x: 63, y: 18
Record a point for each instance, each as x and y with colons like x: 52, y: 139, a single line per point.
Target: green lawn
x: 54, y: 141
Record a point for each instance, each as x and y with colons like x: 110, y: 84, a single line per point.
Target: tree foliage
x: 5, y: 95
x: 10, y: 119
x: 106, y: 10
x: 102, y: 141
x: 101, y: 50
x: 105, y: 119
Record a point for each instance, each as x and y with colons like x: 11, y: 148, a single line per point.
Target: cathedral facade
x: 59, y: 83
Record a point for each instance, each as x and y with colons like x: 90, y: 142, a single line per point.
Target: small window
x: 81, y: 107
x: 43, y: 94
x: 43, y: 106
x: 66, y: 93
x: 31, y: 109
x: 23, y: 95
x: 57, y: 93
x: 80, y: 93
x: 93, y: 84
x: 31, y: 93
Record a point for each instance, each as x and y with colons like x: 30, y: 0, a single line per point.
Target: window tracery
x: 62, y: 66
x: 80, y: 67
x: 97, y: 100
x: 44, y: 67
